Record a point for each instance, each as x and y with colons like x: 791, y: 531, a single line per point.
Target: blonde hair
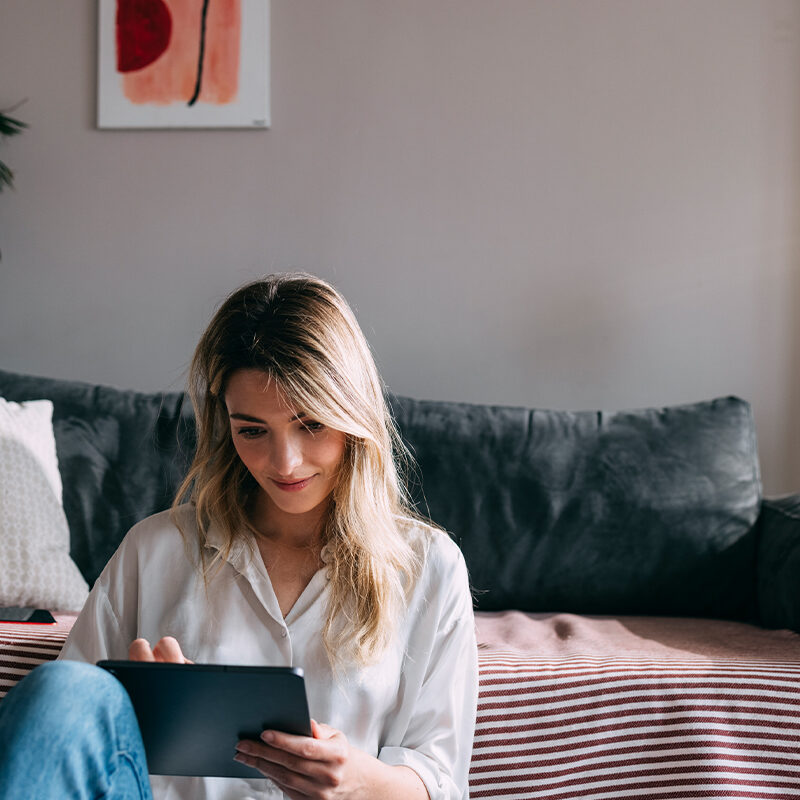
x: 301, y: 332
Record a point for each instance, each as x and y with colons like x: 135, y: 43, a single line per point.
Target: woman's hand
x: 167, y: 651
x: 326, y: 767
x: 302, y: 766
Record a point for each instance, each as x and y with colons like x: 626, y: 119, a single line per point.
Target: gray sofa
x: 633, y: 587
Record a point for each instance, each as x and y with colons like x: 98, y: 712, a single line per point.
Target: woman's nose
x: 286, y: 457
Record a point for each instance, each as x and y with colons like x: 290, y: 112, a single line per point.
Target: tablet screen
x: 192, y: 715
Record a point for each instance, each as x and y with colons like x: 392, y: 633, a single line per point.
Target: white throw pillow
x: 35, y: 566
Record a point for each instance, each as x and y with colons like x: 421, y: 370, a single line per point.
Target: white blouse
x: 416, y: 707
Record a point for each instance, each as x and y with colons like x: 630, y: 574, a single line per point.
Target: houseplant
x: 9, y: 126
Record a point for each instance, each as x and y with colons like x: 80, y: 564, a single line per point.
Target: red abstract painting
x: 183, y: 64
x: 179, y: 51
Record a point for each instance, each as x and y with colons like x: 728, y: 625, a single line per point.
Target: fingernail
x: 268, y: 736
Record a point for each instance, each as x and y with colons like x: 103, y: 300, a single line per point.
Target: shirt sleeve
x: 96, y: 634
x: 100, y: 632
x: 437, y: 742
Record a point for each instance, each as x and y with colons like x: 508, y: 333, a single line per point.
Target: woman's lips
x: 294, y: 486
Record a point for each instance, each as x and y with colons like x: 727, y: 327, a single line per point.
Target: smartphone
x: 36, y: 616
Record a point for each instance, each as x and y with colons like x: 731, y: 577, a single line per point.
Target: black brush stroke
x: 200, y: 59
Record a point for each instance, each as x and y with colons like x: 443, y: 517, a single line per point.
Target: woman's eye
x: 313, y: 427
x: 250, y: 433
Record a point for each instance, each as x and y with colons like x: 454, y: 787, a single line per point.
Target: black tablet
x: 192, y: 715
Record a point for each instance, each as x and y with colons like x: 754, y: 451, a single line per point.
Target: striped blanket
x: 600, y: 708
x: 23, y: 647
x: 644, y: 708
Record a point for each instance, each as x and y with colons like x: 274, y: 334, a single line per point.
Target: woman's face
x: 293, y: 458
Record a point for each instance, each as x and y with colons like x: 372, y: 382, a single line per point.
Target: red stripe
x: 21, y: 653
x: 55, y: 647
x: 519, y: 655
x: 21, y: 665
x: 692, y: 719
x: 538, y: 684
x: 495, y: 677
x: 50, y: 638
x: 538, y: 672
x: 634, y: 737
x: 624, y: 780
x: 669, y: 707
x: 691, y: 794
x: 565, y: 697
x: 697, y: 754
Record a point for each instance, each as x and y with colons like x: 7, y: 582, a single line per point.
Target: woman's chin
x: 295, y: 503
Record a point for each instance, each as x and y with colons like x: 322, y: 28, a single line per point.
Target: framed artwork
x: 183, y: 64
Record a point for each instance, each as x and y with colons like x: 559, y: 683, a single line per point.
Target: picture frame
x: 183, y: 64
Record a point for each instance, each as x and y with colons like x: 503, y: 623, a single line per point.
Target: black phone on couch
x: 35, y: 616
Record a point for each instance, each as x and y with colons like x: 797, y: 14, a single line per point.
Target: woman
x: 291, y: 543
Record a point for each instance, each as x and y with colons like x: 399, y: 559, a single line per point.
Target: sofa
x: 637, y: 599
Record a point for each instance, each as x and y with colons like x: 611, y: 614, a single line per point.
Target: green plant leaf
x: 6, y: 177
x: 10, y: 126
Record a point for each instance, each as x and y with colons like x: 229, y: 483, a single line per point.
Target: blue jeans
x: 68, y: 730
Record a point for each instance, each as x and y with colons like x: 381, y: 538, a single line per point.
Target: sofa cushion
x: 635, y: 512
x: 122, y: 455
x: 35, y: 567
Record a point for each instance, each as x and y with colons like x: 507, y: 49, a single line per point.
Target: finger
x: 306, y: 747
x: 169, y: 651
x: 319, y: 730
x: 291, y: 783
x: 140, y: 651
x: 317, y: 764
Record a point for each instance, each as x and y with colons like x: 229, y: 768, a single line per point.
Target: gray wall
x: 557, y: 203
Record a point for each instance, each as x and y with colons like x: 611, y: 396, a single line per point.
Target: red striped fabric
x: 23, y: 647
x: 598, y: 719
x: 619, y: 727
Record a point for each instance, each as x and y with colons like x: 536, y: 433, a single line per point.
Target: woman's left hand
x: 323, y: 766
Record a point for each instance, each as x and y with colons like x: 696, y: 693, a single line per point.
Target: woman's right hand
x: 167, y: 651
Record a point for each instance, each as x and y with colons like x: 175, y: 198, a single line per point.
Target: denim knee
x: 68, y: 672
x: 79, y: 720
x: 68, y: 679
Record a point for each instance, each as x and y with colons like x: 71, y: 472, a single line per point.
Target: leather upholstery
x: 638, y: 512
x: 778, y: 563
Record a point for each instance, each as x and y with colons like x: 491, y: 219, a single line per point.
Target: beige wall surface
x: 572, y: 204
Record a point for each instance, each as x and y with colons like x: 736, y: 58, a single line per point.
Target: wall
x: 571, y: 204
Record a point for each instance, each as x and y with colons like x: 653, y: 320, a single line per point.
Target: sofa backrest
x: 636, y: 512
x: 639, y: 512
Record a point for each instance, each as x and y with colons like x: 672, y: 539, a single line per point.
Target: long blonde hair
x: 301, y: 332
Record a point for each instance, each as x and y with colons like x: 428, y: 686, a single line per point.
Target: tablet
x: 192, y: 715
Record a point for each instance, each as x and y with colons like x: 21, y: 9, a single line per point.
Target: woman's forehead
x: 254, y: 392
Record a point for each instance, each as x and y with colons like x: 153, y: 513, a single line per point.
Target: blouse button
x: 284, y: 634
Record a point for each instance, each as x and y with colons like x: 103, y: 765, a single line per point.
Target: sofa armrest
x: 778, y: 564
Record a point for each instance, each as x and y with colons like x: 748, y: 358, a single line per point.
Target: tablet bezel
x: 192, y: 715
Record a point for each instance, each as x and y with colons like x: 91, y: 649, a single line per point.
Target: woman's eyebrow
x: 248, y: 418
